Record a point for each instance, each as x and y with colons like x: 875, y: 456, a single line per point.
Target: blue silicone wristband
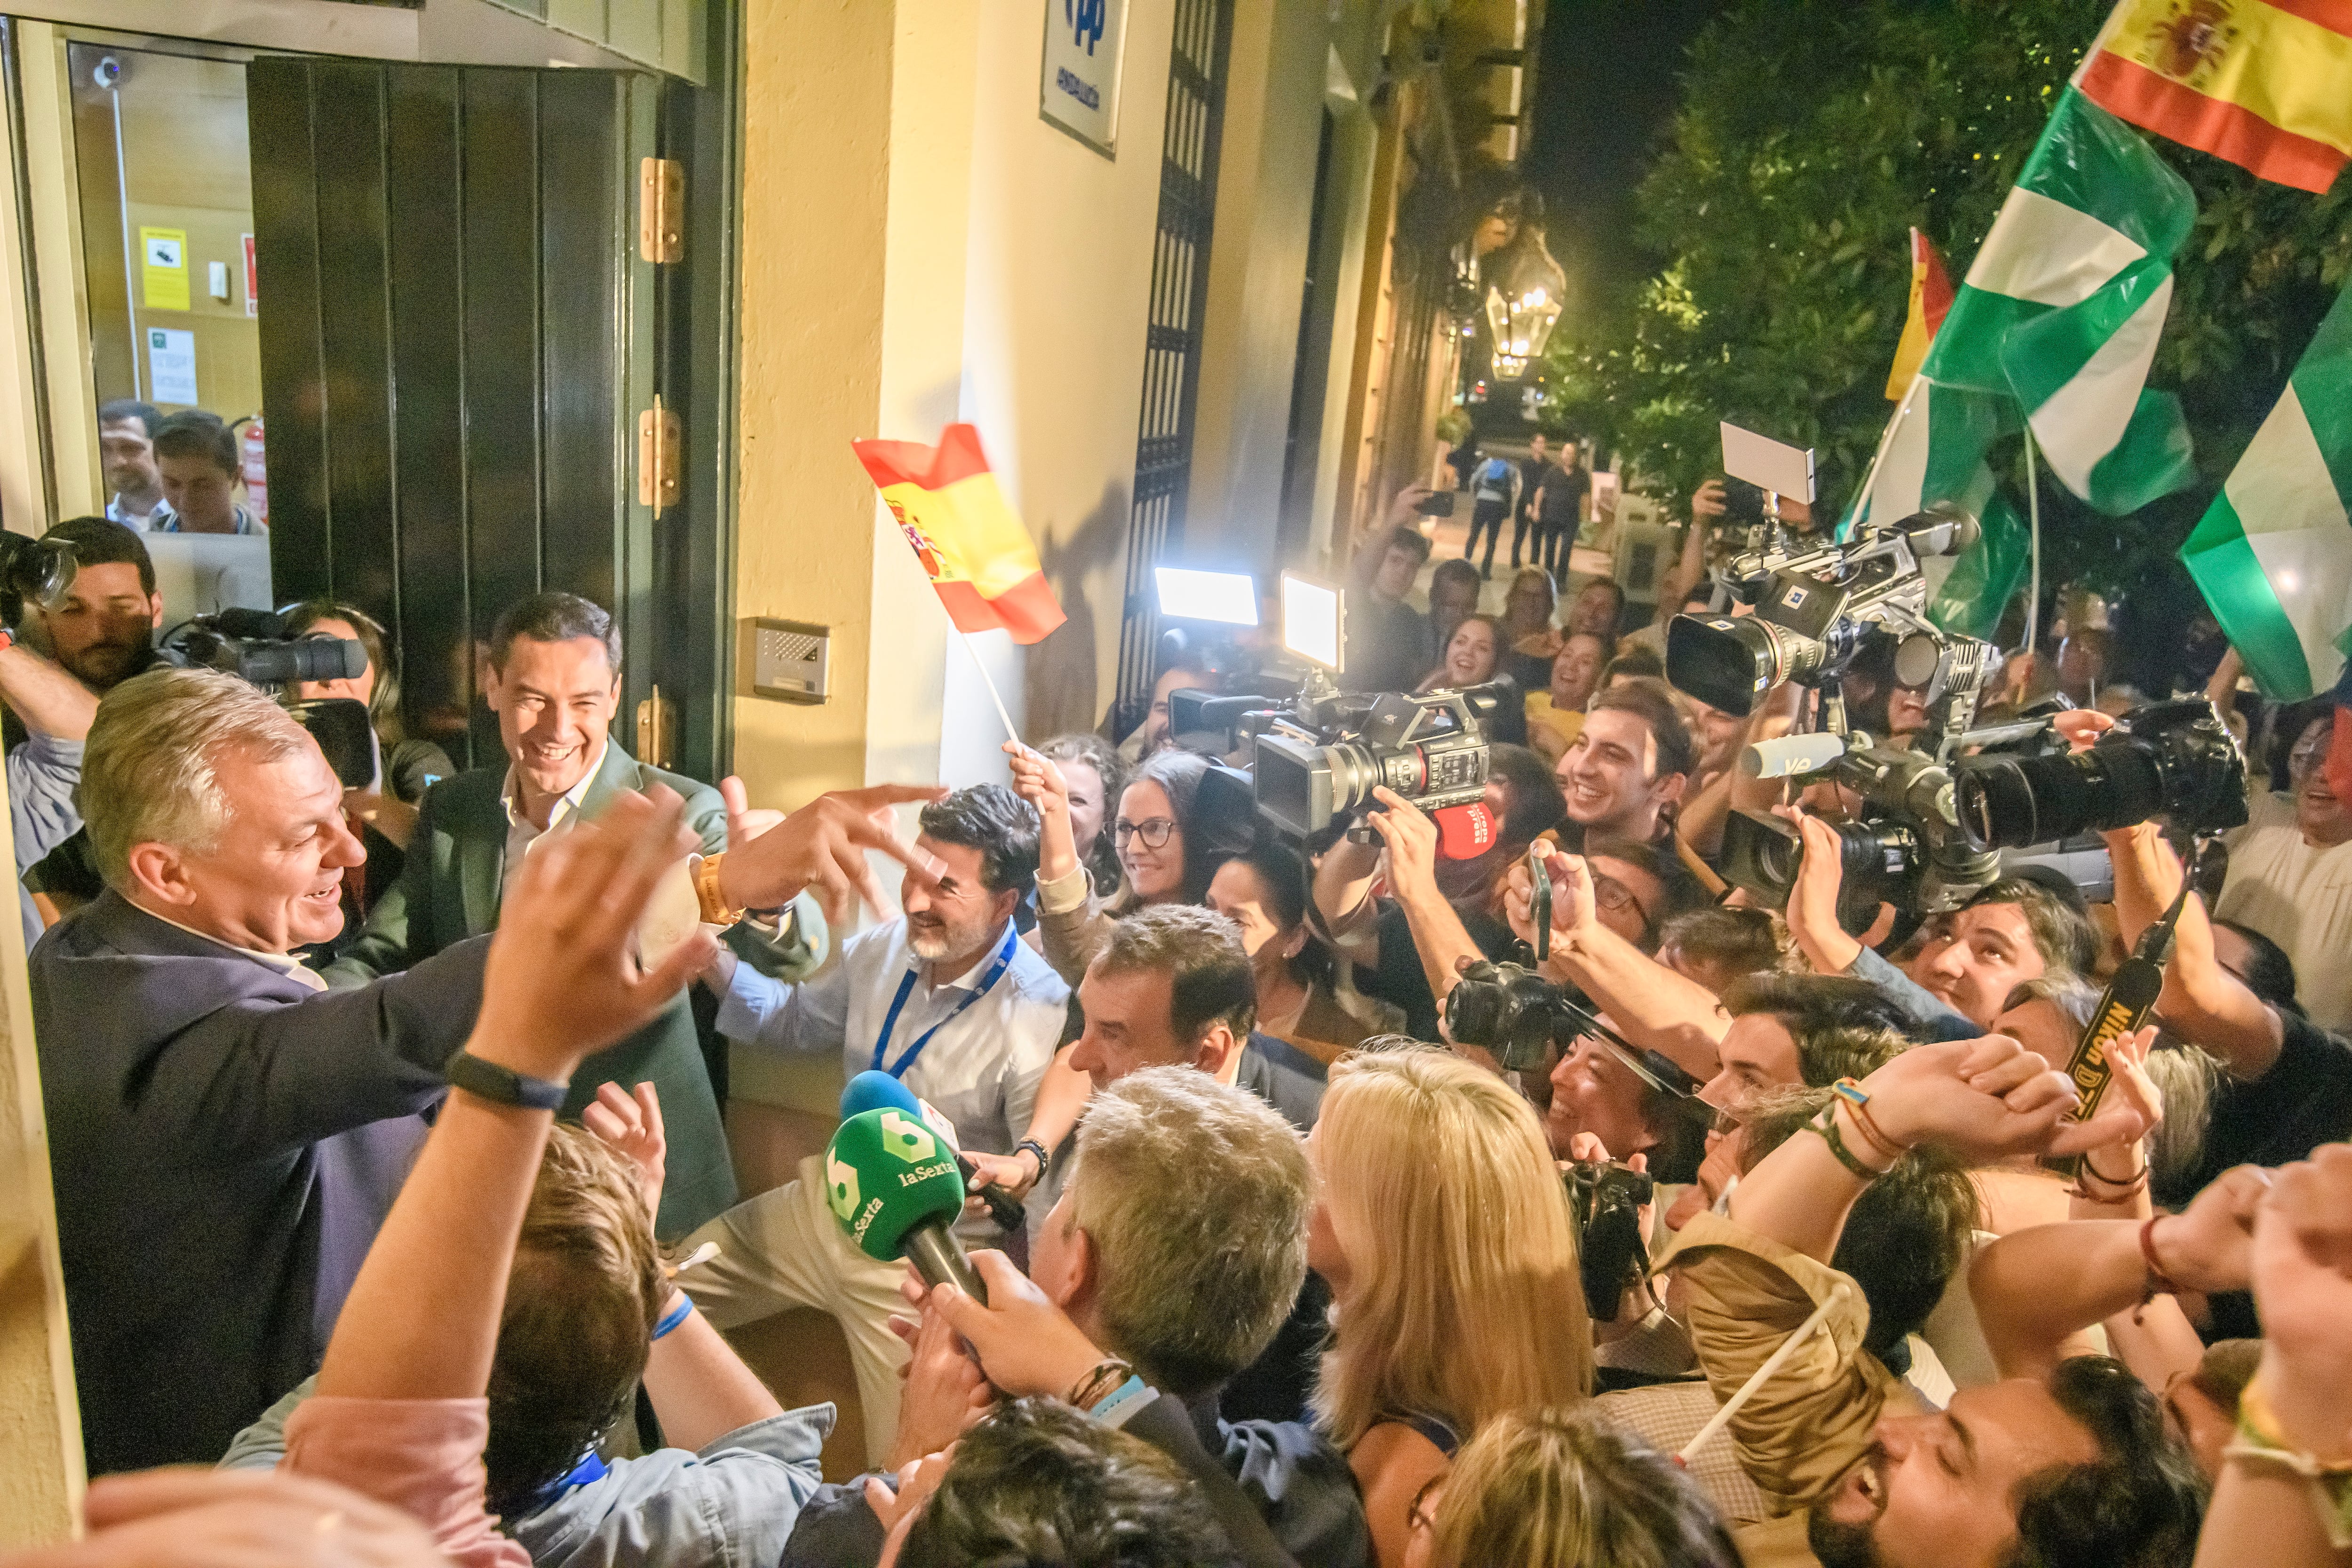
x: 673, y: 1317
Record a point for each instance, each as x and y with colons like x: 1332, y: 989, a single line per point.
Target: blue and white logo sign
x: 1078, y: 82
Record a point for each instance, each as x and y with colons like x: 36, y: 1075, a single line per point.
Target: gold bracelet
x: 715, y: 910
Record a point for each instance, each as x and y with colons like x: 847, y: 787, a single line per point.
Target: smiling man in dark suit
x: 554, y: 681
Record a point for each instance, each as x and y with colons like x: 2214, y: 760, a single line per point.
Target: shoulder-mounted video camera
x: 256, y: 646
x: 1318, y: 757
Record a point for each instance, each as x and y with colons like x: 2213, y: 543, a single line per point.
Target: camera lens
x: 1474, y: 1012
x: 1721, y: 661
x: 2008, y: 802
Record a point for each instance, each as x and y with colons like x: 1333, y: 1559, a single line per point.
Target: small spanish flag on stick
x: 968, y: 540
x: 2265, y: 84
x: 1931, y: 300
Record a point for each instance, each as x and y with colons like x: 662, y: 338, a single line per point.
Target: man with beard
x: 2076, y: 1466
x: 949, y: 1000
x: 103, y: 633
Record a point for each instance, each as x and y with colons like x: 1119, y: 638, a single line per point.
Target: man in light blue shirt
x: 949, y: 1000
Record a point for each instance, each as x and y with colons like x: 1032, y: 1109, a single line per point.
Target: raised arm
x: 1343, y: 899
x: 43, y: 694
x: 700, y: 1387
x: 2263, y: 1512
x: 1438, y: 935
x: 2203, y: 1001
x: 1656, y: 1006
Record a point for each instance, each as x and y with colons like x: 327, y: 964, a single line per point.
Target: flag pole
x: 2033, y: 511
x: 990, y: 681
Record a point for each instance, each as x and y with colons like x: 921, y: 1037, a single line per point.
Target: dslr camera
x: 2175, y: 760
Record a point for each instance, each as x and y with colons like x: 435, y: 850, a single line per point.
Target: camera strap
x: 2129, y: 998
x: 995, y: 972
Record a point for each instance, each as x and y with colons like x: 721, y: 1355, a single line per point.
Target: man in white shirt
x: 949, y: 1000
x: 2290, y: 879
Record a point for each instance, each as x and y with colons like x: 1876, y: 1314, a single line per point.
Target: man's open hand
x: 823, y: 846
x: 562, y: 978
x: 630, y: 1124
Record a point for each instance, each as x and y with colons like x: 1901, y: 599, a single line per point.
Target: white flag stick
x: 990, y: 681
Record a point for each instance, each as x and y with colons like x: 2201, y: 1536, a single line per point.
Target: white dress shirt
x: 522, y: 833
x: 286, y: 964
x: 981, y: 1070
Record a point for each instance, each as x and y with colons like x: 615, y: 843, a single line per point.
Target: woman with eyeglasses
x: 1165, y: 856
x: 1447, y: 1241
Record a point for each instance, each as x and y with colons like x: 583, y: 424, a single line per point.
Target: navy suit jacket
x: 185, y: 1084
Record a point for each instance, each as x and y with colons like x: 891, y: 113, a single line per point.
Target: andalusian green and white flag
x: 2054, y: 327
x: 2273, y: 556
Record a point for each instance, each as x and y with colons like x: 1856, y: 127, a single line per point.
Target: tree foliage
x: 1811, y: 135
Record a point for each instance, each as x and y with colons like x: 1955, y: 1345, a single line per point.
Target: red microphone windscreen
x: 1464, y: 831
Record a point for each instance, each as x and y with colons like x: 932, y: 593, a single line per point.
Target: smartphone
x: 1441, y: 504
x: 1539, y: 901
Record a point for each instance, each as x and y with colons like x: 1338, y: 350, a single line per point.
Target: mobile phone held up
x: 1437, y: 504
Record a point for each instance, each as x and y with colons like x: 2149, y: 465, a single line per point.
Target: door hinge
x: 661, y: 210
x: 661, y: 455
x: 657, y: 731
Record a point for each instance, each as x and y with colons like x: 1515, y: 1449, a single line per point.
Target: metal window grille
x: 1171, y: 352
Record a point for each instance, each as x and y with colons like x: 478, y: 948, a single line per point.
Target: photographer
x: 102, y: 634
x: 2013, y: 931
x: 1405, y: 947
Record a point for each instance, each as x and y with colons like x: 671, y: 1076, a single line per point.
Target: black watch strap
x: 490, y: 1081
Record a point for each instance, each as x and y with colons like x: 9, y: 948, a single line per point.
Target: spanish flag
x: 968, y: 540
x: 2265, y: 84
x: 1931, y: 299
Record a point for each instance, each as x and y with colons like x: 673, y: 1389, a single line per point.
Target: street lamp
x: 1523, y: 294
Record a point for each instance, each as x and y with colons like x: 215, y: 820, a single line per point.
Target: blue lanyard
x: 995, y: 971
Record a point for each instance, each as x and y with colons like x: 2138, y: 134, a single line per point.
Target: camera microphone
x: 1791, y: 755
x: 1464, y: 831
x: 875, y: 1090
x: 1944, y: 529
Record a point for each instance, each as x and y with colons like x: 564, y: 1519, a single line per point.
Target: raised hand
x: 823, y: 846
x: 1983, y: 1100
x: 1411, y: 840
x: 1037, y: 780
x: 1575, y: 907
x: 630, y: 1124
x: 562, y: 977
x: 745, y: 821
x: 1813, y: 899
x: 2210, y: 1246
x: 944, y: 1394
x: 899, y: 1503
x: 2303, y: 1284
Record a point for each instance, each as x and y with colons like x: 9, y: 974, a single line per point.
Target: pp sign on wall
x: 1078, y: 89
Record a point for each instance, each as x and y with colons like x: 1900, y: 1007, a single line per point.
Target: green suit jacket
x: 449, y: 889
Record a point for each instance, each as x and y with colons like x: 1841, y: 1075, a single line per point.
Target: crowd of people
x: 392, y: 1178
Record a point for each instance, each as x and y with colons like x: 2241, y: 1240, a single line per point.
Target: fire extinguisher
x: 256, y: 470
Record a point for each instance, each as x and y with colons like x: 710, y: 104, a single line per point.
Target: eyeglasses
x: 1611, y: 894
x: 1153, y: 831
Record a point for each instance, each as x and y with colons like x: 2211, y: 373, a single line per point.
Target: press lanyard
x: 995, y: 971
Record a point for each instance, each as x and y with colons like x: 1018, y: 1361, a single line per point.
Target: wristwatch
x: 490, y: 1081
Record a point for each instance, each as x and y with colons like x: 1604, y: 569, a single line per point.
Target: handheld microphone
x: 1791, y: 755
x: 891, y: 1182
x: 1464, y: 831
x: 877, y: 1090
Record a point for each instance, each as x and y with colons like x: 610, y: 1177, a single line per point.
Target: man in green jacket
x: 554, y: 682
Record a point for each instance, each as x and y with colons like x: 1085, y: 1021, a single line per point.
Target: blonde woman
x: 1445, y: 1235
x: 1557, y: 1488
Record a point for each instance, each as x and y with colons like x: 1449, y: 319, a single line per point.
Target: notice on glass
x: 172, y: 366
x: 163, y: 258
x: 1078, y: 82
